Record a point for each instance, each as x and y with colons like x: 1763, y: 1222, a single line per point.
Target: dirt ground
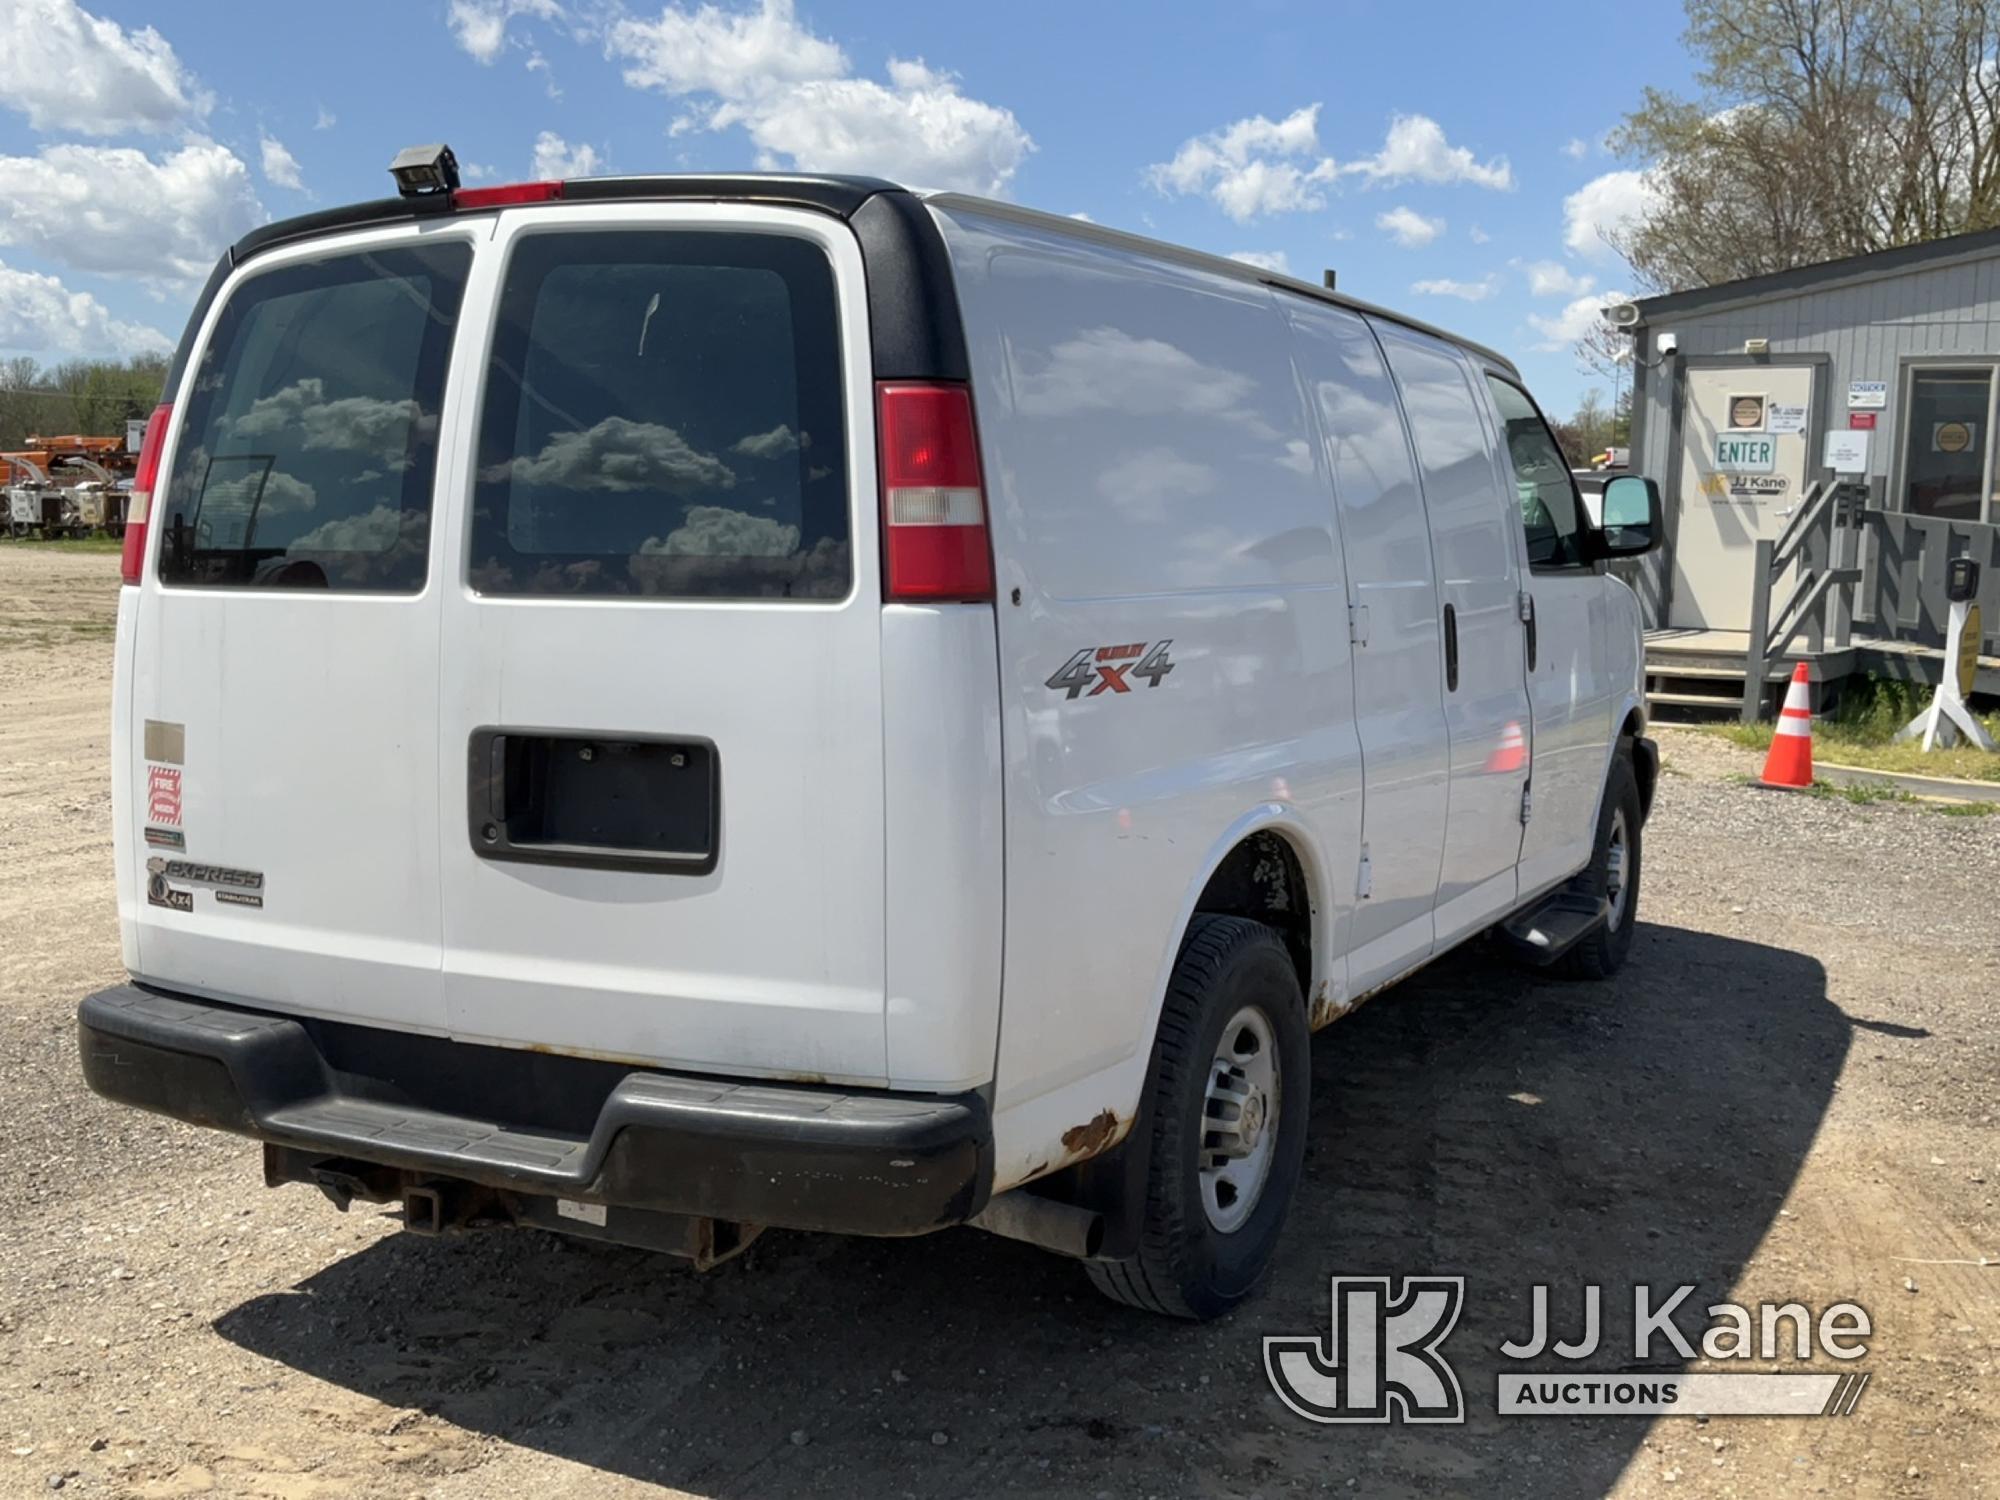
x: 1790, y: 1095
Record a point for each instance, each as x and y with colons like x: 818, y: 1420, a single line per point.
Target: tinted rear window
x: 309, y: 445
x: 663, y: 417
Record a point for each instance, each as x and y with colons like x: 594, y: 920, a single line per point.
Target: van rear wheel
x: 1229, y: 1092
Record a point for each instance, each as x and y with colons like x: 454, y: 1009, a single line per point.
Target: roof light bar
x: 503, y: 194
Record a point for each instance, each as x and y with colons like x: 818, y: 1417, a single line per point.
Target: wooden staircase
x: 1697, y: 674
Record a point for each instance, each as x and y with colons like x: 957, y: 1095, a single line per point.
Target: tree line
x: 1821, y: 129
x: 94, y: 397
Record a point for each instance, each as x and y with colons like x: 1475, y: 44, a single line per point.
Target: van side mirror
x: 1632, y: 522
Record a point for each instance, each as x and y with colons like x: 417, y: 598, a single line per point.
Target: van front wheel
x: 1613, y: 876
x: 1230, y: 1089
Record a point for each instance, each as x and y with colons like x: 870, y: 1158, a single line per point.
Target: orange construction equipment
x: 1789, y: 765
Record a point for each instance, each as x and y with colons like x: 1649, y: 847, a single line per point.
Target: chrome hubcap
x: 1614, y: 869
x: 1239, y: 1139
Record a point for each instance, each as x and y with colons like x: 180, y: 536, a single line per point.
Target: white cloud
x: 326, y: 120
x: 1107, y: 369
x: 1575, y: 320
x: 718, y: 531
x: 474, y: 171
x: 41, y: 316
x: 1477, y: 235
x: 734, y: 57
x: 376, y: 530
x: 281, y: 168
x: 1551, y: 278
x: 1610, y: 203
x: 776, y: 443
x: 618, y: 456
x: 480, y: 26
x: 555, y: 157
x: 1465, y: 291
x: 1416, y: 150
x: 355, y: 424
x: 1409, y: 228
x: 117, y: 212
x: 70, y: 70
x: 537, y: 63
x: 1264, y: 260
x: 1577, y: 149
x: 1255, y: 166
x: 793, y: 93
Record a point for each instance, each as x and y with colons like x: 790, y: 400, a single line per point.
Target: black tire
x: 1603, y: 953
x: 1185, y: 1267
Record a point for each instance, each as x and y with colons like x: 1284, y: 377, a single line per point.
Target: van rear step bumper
x: 792, y: 1155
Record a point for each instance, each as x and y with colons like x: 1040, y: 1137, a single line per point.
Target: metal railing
x: 1821, y: 547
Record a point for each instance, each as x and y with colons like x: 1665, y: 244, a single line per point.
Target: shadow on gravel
x: 1476, y: 1123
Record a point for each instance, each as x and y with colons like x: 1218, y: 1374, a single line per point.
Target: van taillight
x: 145, y: 481
x: 934, y: 543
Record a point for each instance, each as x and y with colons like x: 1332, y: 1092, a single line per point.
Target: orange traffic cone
x: 1789, y: 765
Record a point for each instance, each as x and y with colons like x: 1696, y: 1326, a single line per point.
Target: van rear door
x: 284, y: 646
x: 660, y: 718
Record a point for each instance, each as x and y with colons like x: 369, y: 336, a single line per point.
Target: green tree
x: 1823, y: 128
x: 92, y: 397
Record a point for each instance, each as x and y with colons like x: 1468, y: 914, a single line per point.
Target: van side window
x: 308, y: 448
x: 1549, y: 509
x: 663, y: 417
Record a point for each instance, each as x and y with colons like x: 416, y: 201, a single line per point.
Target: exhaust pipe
x: 1061, y: 1227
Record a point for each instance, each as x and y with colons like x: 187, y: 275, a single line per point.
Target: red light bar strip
x: 506, y: 194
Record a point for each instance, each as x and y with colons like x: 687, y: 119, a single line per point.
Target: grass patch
x: 91, y: 543
x: 1963, y: 809
x: 1862, y: 730
x: 1861, y: 794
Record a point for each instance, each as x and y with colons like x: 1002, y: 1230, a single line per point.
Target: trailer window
x: 663, y: 417
x: 309, y: 444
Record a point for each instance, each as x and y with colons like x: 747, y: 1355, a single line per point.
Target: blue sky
x: 1447, y: 159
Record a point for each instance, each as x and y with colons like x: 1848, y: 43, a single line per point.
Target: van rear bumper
x: 791, y: 1155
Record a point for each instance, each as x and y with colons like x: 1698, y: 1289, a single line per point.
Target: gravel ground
x: 1789, y: 1095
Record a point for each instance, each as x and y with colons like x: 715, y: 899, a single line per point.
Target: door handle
x: 634, y: 802
x: 1528, y: 624
x: 1450, y: 649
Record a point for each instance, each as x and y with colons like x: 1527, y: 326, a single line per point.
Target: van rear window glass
x: 663, y: 418
x: 309, y: 445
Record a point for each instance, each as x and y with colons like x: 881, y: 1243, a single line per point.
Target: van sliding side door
x: 1395, y: 623
x: 1476, y: 556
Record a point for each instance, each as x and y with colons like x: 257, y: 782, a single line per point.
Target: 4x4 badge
x: 1104, y: 669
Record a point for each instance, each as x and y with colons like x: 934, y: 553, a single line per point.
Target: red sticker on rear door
x: 163, y: 796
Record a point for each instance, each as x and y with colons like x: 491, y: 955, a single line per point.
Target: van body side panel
x: 942, y: 808
x: 1178, y: 662
x: 1474, y: 527
x: 1398, y: 653
x: 667, y: 548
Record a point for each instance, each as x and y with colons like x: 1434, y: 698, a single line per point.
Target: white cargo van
x: 657, y: 707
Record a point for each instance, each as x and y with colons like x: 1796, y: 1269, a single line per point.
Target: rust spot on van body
x: 1090, y: 1138
x: 1323, y: 1010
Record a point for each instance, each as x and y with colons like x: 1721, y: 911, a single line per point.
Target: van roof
x: 835, y: 194
x: 1181, y: 254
